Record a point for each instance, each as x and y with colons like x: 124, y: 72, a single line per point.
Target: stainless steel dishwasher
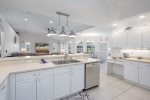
x: 92, y: 74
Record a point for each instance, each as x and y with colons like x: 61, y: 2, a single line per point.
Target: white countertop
x: 5, y: 71
x: 120, y: 61
x: 38, y: 57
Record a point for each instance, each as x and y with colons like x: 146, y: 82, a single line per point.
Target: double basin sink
x: 65, y: 62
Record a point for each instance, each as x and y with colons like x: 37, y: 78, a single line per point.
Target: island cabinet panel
x: 36, y: 85
x: 26, y: 90
x: 45, y: 85
x: 68, y: 80
x: 4, y: 91
x: 48, y: 84
x: 61, y: 82
x: 77, y: 78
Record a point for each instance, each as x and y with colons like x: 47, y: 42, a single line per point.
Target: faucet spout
x: 65, y: 57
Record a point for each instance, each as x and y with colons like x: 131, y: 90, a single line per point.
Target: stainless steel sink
x: 65, y: 62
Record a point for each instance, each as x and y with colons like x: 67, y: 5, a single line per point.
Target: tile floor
x: 114, y: 88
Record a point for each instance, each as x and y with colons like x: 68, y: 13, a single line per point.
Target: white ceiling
x: 99, y: 13
x: 135, y: 22
x: 37, y: 24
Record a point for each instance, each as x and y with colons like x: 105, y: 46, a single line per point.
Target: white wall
x: 53, y: 42
x: 8, y: 36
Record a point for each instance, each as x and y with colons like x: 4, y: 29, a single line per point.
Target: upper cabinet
x: 114, y: 40
x: 118, y: 40
x: 131, y: 39
x: 146, y: 38
x: 134, y: 39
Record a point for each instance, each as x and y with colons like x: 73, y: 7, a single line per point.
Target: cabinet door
x: 114, y: 40
x: 146, y: 38
x: 45, y: 85
x: 134, y: 39
x: 61, y: 82
x: 144, y: 73
x: 26, y: 90
x: 77, y: 78
x: 131, y: 71
x: 122, y: 39
x: 26, y: 86
x: 4, y: 91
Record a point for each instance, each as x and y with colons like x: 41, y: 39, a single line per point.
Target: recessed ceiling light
x: 141, y: 17
x: 51, y: 22
x: 115, y: 24
x: 25, y: 19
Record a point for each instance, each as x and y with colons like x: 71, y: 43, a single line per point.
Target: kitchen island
x: 36, y: 81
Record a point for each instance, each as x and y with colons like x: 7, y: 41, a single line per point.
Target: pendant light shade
x: 51, y: 32
x: 72, y: 34
x: 63, y: 33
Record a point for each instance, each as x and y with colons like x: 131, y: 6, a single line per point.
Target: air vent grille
x: 128, y: 28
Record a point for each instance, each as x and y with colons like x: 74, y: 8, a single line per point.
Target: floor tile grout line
x: 123, y: 92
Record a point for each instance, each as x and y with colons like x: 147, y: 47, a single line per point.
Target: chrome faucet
x: 66, y: 55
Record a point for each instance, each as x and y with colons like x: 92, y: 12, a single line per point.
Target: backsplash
x: 132, y: 52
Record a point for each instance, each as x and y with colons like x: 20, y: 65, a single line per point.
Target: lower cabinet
x: 68, y: 80
x: 35, y: 85
x: 61, y: 82
x: 144, y: 74
x: 49, y: 84
x: 131, y: 71
x: 4, y: 91
x: 26, y: 90
x: 77, y: 78
x: 45, y: 85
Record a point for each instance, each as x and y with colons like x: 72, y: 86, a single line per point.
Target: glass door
x: 90, y: 49
x: 80, y: 47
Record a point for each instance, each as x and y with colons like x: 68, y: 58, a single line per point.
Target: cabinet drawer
x: 25, y: 76
x: 61, y: 70
x: 44, y: 73
x: 131, y: 63
x: 77, y: 67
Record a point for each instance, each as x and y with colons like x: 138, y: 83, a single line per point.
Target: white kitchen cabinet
x: 131, y: 71
x: 144, y: 73
x: 118, y: 40
x: 25, y: 88
x: 122, y: 39
x: 114, y: 40
x: 4, y: 91
x: 36, y: 85
x: 61, y: 82
x: 134, y: 39
x: 45, y: 85
x: 77, y: 78
x: 146, y: 38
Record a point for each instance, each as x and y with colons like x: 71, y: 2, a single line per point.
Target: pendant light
x: 62, y: 33
x: 51, y: 32
x: 72, y: 34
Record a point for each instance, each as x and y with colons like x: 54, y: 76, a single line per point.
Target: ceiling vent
x: 128, y: 28
x: 17, y: 33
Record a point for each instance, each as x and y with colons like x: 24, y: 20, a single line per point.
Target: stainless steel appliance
x: 92, y: 74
